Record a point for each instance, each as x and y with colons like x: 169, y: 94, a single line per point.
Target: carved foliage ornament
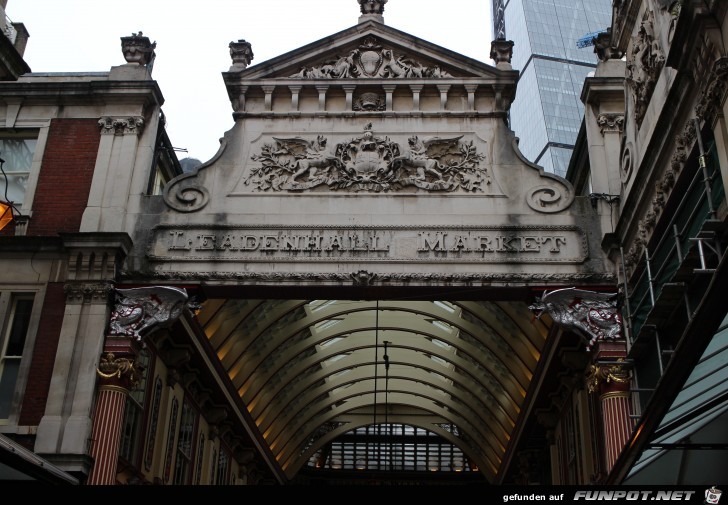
x: 644, y: 64
x: 121, y: 125
x: 370, y: 60
x: 610, y: 122
x: 369, y: 163
x: 111, y: 367
x: 140, y: 310
x: 599, y: 374
x: 683, y: 145
x: 87, y: 292
x: 714, y: 92
x: 593, y: 315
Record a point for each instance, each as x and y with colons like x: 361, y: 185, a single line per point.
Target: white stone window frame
x: 8, y: 295
x: 30, y: 173
x: 32, y: 128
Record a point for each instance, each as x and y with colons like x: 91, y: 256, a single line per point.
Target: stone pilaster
x: 65, y: 429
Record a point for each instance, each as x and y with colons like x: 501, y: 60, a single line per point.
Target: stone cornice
x: 45, y: 87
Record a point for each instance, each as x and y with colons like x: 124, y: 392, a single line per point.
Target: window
x: 17, y: 151
x: 170, y: 440
x: 183, y: 462
x: 223, y: 467
x: 200, y: 454
x: 154, y: 421
x: 11, y: 349
x: 131, y: 429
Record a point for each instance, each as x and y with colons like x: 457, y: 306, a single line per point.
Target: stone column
x: 295, y: 92
x: 118, y: 375
x: 443, y: 89
x: 268, y: 101
x: 471, y: 89
x: 322, y: 89
x: 609, y: 378
x: 389, y: 91
x: 416, y: 89
x: 349, y: 90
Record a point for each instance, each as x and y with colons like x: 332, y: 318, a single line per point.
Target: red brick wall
x: 65, y: 176
x: 44, y: 355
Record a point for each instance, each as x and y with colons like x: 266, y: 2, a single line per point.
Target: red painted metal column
x: 118, y: 375
x: 611, y: 380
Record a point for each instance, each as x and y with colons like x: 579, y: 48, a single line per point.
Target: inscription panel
x: 365, y: 244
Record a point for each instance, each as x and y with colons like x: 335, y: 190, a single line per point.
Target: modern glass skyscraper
x: 547, y: 112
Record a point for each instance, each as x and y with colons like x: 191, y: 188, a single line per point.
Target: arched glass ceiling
x: 311, y: 370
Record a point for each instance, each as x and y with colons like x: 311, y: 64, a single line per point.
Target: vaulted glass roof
x: 309, y: 371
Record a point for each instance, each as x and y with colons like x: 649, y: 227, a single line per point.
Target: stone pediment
x: 369, y: 50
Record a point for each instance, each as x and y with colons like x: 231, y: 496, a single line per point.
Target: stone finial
x: 241, y: 53
x: 137, y: 49
x: 372, y: 9
x: 501, y: 51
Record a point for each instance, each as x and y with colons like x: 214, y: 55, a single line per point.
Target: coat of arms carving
x: 370, y: 163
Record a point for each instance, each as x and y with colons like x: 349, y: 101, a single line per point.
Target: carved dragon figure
x: 593, y: 315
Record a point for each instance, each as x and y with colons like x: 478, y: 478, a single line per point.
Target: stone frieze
x: 370, y: 163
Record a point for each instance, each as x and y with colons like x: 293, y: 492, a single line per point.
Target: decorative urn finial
x: 501, y: 51
x: 241, y: 53
x: 138, y: 49
x: 372, y: 9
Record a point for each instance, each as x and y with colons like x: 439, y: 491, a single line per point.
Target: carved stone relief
x: 466, y: 279
x: 371, y: 60
x: 627, y: 162
x: 610, y: 122
x: 714, y: 92
x: 683, y: 145
x: 370, y: 163
x: 121, y: 125
x: 369, y: 102
x: 644, y: 64
x: 85, y: 292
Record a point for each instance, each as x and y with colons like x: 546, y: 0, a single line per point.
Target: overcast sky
x: 193, y: 36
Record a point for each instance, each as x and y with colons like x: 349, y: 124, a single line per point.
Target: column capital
x: 121, y: 125
x: 118, y: 372
x: 607, y: 379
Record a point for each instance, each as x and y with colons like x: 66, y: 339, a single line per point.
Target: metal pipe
x: 649, y: 277
x: 704, y: 167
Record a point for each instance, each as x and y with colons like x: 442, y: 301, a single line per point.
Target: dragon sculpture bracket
x: 592, y: 315
x: 138, y: 311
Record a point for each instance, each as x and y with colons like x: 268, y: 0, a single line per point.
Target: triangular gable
x: 369, y: 50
